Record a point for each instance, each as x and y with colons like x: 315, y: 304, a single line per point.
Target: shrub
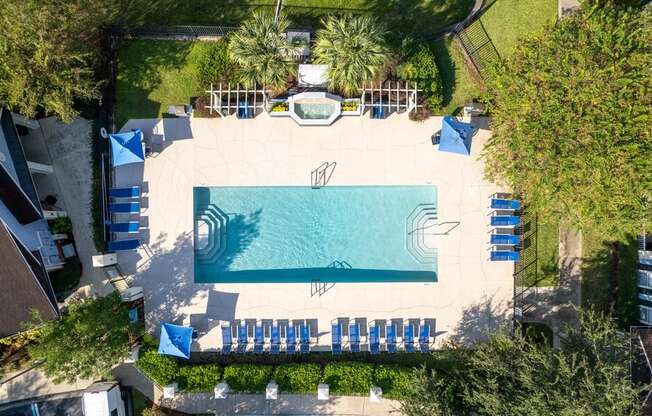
x: 160, y: 368
x: 419, y: 66
x: 394, y: 380
x: 199, y: 377
x: 349, y: 378
x: 213, y: 62
x: 297, y: 378
x: 248, y: 378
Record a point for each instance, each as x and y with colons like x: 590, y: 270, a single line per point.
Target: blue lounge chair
x: 505, y: 220
x: 125, y: 208
x: 391, y: 338
x: 127, y: 192
x: 378, y: 112
x: 505, y: 239
x: 242, y: 338
x: 123, y: 245
x: 408, y: 338
x: 243, y: 110
x: 424, y: 338
x: 291, y: 340
x: 374, y: 339
x: 259, y: 339
x: 124, y: 227
x: 275, y: 345
x: 336, y: 335
x: 227, y: 339
x: 354, y: 337
x: 499, y: 203
x: 505, y: 255
x: 304, y: 339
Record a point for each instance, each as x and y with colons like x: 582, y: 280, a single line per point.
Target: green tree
x: 47, y: 52
x: 509, y: 375
x: 572, y: 120
x: 419, y: 66
x: 354, y: 49
x: 86, y: 342
x: 262, y: 51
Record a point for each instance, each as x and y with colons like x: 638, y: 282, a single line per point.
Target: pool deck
x: 471, y: 293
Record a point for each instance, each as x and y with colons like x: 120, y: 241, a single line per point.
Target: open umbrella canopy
x: 175, y: 340
x: 455, y: 136
x: 127, y: 148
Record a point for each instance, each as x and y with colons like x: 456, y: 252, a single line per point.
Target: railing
x: 320, y: 176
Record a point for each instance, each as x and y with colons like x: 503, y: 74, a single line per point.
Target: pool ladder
x: 317, y: 287
x: 320, y: 176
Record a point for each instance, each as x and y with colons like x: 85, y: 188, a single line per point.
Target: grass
x: 66, y: 279
x: 153, y: 75
x: 139, y: 402
x: 401, y: 16
x: 506, y: 21
x: 548, y: 252
x: 458, y: 85
x: 609, y: 280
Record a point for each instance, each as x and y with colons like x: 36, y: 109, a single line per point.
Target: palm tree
x: 260, y: 48
x: 354, y: 49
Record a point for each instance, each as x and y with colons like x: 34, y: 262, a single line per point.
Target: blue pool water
x: 300, y: 234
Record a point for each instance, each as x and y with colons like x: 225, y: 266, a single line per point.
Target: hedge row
x: 344, y: 378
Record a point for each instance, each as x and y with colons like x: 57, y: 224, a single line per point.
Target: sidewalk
x: 33, y: 383
x: 69, y: 146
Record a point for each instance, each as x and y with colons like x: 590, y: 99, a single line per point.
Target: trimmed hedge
x: 297, y: 378
x: 394, y: 380
x: 160, y: 368
x: 349, y: 378
x: 248, y: 378
x: 198, y: 378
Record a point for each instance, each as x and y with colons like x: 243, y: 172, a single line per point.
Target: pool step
x: 216, y: 222
x: 416, y: 226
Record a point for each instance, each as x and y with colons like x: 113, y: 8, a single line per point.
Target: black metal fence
x: 478, y: 47
x: 526, y: 276
x: 174, y: 32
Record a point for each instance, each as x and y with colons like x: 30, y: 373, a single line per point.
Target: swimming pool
x: 301, y: 234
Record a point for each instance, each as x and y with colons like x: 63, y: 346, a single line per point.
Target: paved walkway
x: 557, y: 305
x: 33, y: 383
x: 254, y: 404
x: 70, y: 151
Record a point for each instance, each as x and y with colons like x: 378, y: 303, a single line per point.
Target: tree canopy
x: 572, y: 119
x: 262, y: 51
x: 354, y: 49
x: 512, y: 375
x: 47, y: 52
x: 86, y: 342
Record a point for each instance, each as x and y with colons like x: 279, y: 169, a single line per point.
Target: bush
x: 394, y: 380
x: 248, y: 378
x: 349, y: 378
x: 61, y: 225
x: 297, y: 378
x: 213, y: 62
x: 419, y: 66
x: 160, y: 368
x: 198, y: 378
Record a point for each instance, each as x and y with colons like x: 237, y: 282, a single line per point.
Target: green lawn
x: 609, y: 279
x: 548, y: 252
x: 153, y: 75
x: 506, y: 21
x: 401, y: 16
x: 457, y: 84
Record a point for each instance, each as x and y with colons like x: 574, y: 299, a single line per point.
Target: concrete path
x: 34, y: 383
x: 254, y: 404
x: 557, y: 306
x: 70, y: 151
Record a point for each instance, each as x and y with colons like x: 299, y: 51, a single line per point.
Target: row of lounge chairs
x: 296, y: 339
x: 504, y: 243
x: 290, y: 338
x: 392, y: 342
x: 124, y: 202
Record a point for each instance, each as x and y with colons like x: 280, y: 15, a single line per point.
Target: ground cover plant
x: 420, y: 66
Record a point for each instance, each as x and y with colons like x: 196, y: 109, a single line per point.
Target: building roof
x: 25, y: 285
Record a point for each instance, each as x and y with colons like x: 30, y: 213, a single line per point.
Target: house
x: 28, y: 249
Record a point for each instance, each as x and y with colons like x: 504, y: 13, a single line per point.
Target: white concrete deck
x: 471, y: 292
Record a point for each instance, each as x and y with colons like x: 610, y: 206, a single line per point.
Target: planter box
x: 279, y: 113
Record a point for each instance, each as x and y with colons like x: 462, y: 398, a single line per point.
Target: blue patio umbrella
x: 175, y: 340
x: 127, y: 148
x: 455, y: 136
